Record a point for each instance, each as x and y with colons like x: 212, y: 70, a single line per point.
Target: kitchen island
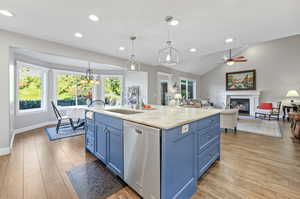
x: 160, y: 153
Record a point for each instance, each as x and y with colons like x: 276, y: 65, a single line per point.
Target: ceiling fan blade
x: 240, y: 60
x: 240, y: 57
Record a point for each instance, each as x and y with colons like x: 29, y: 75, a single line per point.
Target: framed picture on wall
x: 241, y: 80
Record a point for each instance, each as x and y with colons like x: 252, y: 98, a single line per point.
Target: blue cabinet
x: 207, y: 143
x: 178, y: 163
x: 115, y: 159
x: 187, y: 155
x: 90, y: 135
x: 107, y: 141
x: 100, y: 141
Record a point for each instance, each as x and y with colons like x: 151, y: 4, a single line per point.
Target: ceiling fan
x: 231, y: 60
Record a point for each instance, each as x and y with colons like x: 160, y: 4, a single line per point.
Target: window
x: 112, y: 90
x: 188, y: 89
x: 31, y: 81
x: 71, y: 90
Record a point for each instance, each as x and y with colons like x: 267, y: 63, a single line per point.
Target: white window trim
x: 194, y: 87
x: 102, y: 96
x: 44, y: 78
x: 64, y: 72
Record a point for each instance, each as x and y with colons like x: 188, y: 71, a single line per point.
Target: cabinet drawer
x: 208, y: 156
x: 208, y: 122
x: 89, y: 127
x: 89, y: 122
x: 109, y: 121
x: 177, y: 134
x: 90, y: 143
x: 206, y: 137
x: 90, y: 133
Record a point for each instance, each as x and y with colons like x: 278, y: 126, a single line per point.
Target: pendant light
x: 168, y: 56
x: 132, y: 65
x: 90, y: 77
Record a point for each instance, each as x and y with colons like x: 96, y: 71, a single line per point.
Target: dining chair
x: 62, y: 121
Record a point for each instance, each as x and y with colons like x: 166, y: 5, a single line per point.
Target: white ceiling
x: 65, y: 61
x: 204, y: 24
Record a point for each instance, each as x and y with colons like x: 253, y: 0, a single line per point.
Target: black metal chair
x: 61, y: 119
x: 97, y: 103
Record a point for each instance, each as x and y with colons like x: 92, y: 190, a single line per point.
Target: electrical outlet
x: 185, y: 129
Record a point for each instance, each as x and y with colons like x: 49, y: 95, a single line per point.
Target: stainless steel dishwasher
x: 142, y: 159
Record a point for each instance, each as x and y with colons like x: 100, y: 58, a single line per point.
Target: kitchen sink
x: 123, y: 111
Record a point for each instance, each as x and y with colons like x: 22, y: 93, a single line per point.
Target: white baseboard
x: 12, y: 140
x: 36, y: 126
x: 4, y: 151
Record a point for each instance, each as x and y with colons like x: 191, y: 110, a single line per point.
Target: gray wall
x: 277, y: 65
x: 9, y: 39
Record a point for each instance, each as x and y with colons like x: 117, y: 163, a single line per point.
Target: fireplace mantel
x: 239, y: 93
x: 253, y: 97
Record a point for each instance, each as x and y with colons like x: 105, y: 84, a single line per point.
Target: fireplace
x: 242, y: 104
x: 252, y: 96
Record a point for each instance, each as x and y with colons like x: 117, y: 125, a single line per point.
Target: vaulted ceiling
x: 204, y: 24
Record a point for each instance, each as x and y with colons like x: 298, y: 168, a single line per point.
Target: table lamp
x: 292, y: 94
x: 177, y: 97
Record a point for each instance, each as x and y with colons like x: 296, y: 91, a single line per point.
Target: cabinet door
x: 115, y: 150
x: 178, y: 163
x: 100, y: 143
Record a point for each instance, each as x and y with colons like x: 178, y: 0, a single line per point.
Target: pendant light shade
x: 169, y: 55
x: 132, y: 65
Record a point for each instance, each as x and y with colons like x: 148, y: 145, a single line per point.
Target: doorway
x: 164, y: 92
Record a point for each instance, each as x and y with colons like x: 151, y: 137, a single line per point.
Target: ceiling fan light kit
x: 232, y: 60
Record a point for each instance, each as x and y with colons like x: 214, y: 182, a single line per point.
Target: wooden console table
x: 295, y: 125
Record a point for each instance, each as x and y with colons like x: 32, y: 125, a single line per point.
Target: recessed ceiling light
x: 78, y: 35
x: 121, y: 48
x: 6, y: 13
x: 94, y: 18
x: 228, y: 40
x: 174, y: 22
x: 192, y: 50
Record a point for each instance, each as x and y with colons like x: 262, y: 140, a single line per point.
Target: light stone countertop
x: 162, y: 117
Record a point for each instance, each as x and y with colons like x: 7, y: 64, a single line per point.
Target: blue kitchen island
x: 188, y: 143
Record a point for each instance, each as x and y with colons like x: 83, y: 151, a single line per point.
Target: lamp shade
x: 292, y: 93
x: 177, y: 96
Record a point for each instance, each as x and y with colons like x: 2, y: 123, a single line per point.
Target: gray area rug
x: 63, y: 133
x: 259, y: 126
x: 94, y: 181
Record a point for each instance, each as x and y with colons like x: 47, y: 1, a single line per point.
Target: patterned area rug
x: 63, y: 133
x: 259, y: 126
x: 94, y: 181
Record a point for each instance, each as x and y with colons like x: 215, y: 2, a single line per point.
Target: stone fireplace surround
x: 253, y: 97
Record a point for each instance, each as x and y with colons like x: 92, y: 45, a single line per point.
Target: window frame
x: 194, y: 86
x: 44, y: 77
x: 56, y: 73
x: 102, y: 77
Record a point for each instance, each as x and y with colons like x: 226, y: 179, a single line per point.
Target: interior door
x: 164, y: 93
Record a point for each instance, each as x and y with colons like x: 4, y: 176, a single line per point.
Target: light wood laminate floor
x: 251, y: 166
